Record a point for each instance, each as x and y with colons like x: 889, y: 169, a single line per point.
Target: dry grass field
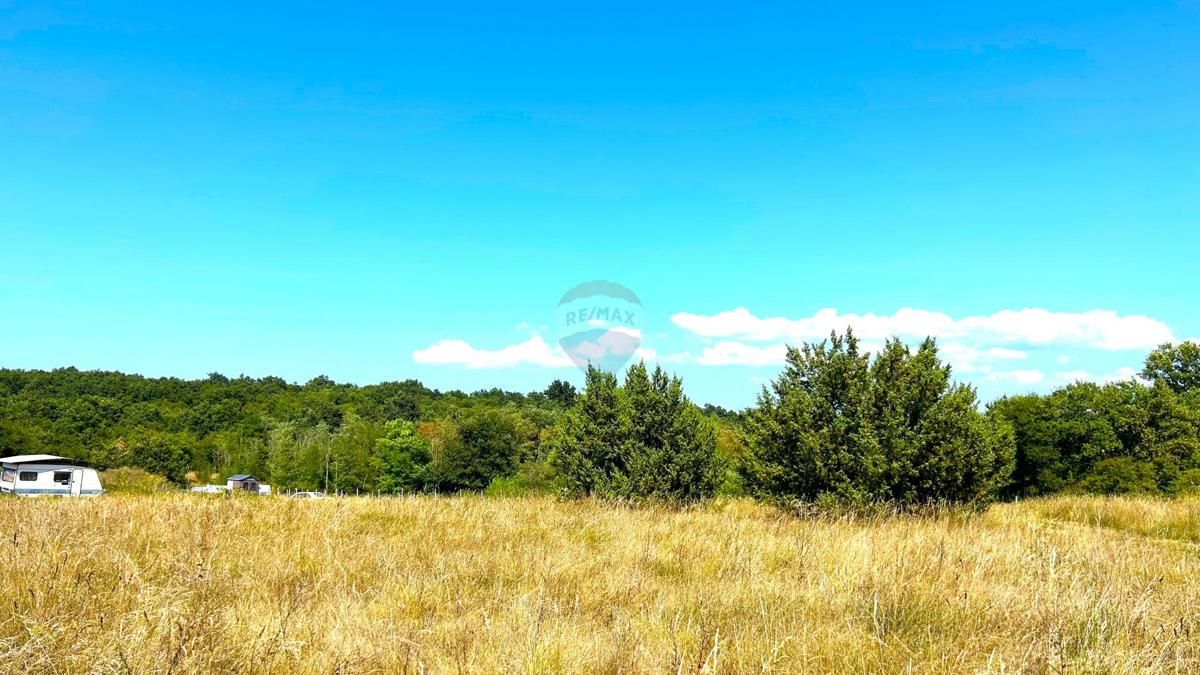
x: 189, y: 583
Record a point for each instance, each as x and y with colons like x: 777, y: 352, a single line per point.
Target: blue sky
x: 387, y: 192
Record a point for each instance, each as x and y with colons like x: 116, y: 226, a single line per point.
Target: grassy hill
x: 189, y: 583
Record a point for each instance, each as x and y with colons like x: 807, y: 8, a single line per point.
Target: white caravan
x: 47, y: 475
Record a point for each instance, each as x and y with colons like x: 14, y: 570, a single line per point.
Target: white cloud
x: 735, y: 353
x: 1002, y: 353
x: 1018, y: 376
x: 1121, y: 375
x: 1099, y: 329
x: 967, y: 359
x: 645, y: 354
x: 869, y: 347
x: 533, y: 351
x: 1063, y: 360
x: 728, y: 353
x: 1075, y: 376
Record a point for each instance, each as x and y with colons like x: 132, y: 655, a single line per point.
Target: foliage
x: 319, y: 435
x: 836, y: 426
x: 133, y: 481
x: 1178, y: 367
x: 671, y: 448
x: 587, y: 446
x: 1120, y: 475
x: 530, y: 478
x: 643, y: 440
x: 562, y: 393
x: 488, y: 447
x: 1103, y: 438
x: 401, y: 459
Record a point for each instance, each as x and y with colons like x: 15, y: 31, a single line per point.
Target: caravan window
x: 8, y: 476
x: 28, y: 476
x: 62, y: 477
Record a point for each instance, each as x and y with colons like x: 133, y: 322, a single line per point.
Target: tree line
x: 837, y: 425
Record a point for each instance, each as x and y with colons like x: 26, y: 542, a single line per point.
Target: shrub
x: 1120, y: 475
x: 643, y: 440
x: 1188, y: 482
x: 531, y: 478
x: 486, y: 448
x: 134, y: 481
x: 837, y: 426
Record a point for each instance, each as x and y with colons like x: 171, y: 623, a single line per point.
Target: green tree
x: 165, y: 454
x: 351, y: 454
x: 1120, y: 475
x: 488, y: 447
x: 810, y: 434
x: 402, y: 407
x: 835, y: 425
x: 1177, y: 366
x: 1065, y: 439
x: 588, y: 445
x: 643, y: 440
x: 670, y: 449
x: 401, y: 458
x: 300, y: 457
x: 561, y: 392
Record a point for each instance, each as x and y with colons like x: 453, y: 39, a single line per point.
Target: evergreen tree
x: 587, y: 445
x: 810, y: 434
x: 835, y: 425
x: 561, y: 392
x: 643, y: 440
x: 671, y: 449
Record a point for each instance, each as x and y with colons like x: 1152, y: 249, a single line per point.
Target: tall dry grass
x: 455, y: 584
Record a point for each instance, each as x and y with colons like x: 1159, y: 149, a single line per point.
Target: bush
x: 837, y: 426
x: 1120, y: 475
x: 133, y: 481
x: 1188, y: 483
x: 644, y: 440
x: 531, y: 478
x: 486, y: 448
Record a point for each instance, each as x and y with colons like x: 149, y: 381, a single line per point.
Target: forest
x: 837, y: 425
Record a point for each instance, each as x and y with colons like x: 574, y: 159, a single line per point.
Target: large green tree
x: 588, y: 444
x: 837, y: 425
x: 401, y: 459
x: 1120, y: 437
x: 670, y: 449
x: 1177, y: 366
x: 488, y: 447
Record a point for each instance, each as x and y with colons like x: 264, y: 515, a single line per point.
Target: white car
x: 308, y: 495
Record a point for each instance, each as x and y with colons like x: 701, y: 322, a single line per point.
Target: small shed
x: 242, y: 482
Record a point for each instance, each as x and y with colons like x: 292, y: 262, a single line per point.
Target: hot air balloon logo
x: 599, y: 324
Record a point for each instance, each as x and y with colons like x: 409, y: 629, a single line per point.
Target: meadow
x: 188, y: 583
